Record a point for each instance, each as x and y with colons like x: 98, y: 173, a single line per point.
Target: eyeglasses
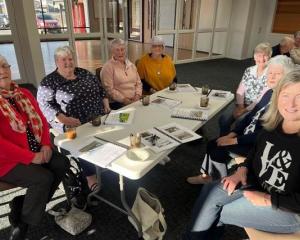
x: 5, y: 66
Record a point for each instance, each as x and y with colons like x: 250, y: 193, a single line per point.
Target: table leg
x: 127, y: 208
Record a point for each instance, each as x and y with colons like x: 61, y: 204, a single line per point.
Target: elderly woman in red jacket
x: 26, y: 156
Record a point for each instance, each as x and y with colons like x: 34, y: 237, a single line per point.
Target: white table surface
x: 146, y: 117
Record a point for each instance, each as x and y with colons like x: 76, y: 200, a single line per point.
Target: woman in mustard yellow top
x: 156, y: 70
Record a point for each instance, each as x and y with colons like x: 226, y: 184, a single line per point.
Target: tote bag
x: 149, y: 212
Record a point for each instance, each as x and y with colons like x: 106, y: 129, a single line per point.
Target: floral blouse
x: 251, y: 86
x: 80, y: 98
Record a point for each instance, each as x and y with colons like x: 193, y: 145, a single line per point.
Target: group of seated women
x: 263, y: 128
x: 67, y: 97
x: 263, y: 192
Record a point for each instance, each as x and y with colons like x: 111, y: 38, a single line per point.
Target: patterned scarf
x: 24, y: 104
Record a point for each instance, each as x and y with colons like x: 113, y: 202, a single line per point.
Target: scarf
x: 24, y: 105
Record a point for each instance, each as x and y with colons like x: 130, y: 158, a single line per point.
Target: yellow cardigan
x: 157, y: 73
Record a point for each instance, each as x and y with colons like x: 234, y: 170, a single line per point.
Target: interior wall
x: 238, y: 28
x: 262, y: 12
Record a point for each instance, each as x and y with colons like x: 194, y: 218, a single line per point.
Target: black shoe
x: 16, y: 206
x: 18, y: 232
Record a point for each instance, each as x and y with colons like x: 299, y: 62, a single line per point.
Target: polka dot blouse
x: 80, y: 98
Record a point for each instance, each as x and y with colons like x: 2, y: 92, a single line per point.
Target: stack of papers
x: 101, y: 154
x: 167, y: 136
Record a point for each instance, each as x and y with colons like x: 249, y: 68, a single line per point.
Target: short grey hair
x: 264, y: 48
x: 287, y: 41
x: 3, y: 59
x: 272, y: 118
x: 282, y: 60
x: 63, y: 51
x: 117, y: 42
x: 295, y: 55
x: 157, y: 40
x: 297, y: 34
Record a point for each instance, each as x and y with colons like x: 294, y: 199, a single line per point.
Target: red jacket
x: 14, y: 147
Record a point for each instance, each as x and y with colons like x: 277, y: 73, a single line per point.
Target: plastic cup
x: 135, y: 140
x: 70, y: 133
x: 204, y: 101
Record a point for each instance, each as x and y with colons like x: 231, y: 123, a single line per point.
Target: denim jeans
x: 214, y: 208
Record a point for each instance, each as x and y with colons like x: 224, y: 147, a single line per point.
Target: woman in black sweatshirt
x: 264, y: 193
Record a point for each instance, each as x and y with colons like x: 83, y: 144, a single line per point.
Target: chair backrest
x: 98, y: 71
x: 30, y: 87
x: 254, y: 234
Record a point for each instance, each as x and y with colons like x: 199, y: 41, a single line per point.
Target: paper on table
x: 186, y: 88
x: 103, y: 155
x: 120, y: 117
x: 161, y: 143
x: 166, y: 102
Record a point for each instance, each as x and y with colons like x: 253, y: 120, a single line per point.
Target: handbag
x: 149, y: 212
x: 74, y: 221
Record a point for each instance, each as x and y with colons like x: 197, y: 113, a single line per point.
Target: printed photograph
x: 183, y: 135
x: 171, y: 129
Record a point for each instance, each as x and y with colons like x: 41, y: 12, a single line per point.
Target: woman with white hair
x: 156, y: 69
x: 264, y: 192
x: 284, y: 47
x: 120, y: 78
x: 71, y: 96
x: 241, y: 139
x: 27, y: 158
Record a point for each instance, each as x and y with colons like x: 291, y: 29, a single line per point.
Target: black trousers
x: 217, y: 157
x: 41, y: 182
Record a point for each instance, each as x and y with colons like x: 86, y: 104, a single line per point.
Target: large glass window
x: 7, y: 48
x: 50, y: 16
x: 4, y: 19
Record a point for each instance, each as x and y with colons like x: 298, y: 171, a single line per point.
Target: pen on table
x: 153, y: 139
x: 209, y: 92
x: 106, y: 117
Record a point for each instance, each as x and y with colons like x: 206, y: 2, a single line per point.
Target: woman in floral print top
x: 251, y: 88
